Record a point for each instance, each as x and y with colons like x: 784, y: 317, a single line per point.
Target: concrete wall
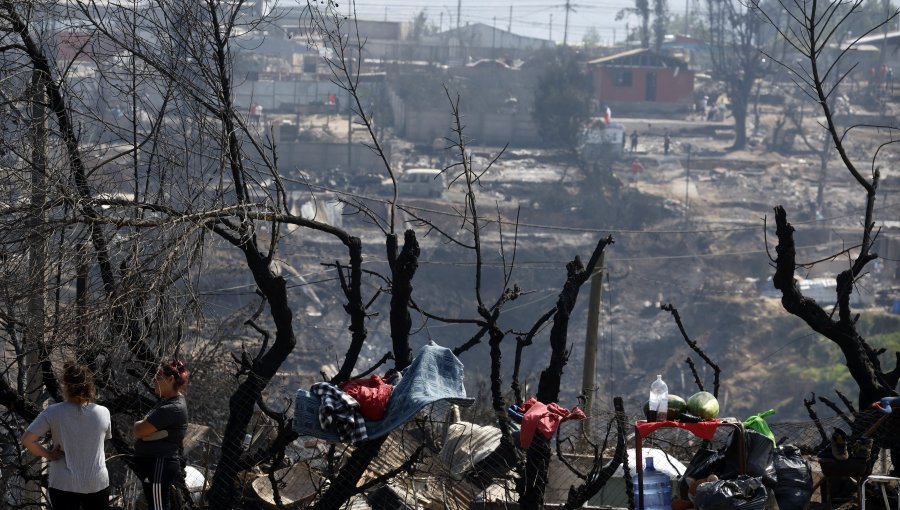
x: 318, y: 157
x: 482, y: 128
x: 283, y: 95
x: 519, y: 130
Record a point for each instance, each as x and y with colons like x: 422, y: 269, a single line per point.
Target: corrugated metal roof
x: 609, y: 58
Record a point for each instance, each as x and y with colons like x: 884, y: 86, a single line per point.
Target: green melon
x: 677, y: 405
x: 704, y: 405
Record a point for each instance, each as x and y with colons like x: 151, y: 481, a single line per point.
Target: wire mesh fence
x: 445, y: 457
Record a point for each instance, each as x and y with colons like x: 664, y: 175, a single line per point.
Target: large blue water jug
x: 657, y: 489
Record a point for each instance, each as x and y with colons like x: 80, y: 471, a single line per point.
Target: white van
x: 421, y: 182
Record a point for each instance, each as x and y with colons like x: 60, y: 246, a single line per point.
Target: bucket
x: 657, y: 489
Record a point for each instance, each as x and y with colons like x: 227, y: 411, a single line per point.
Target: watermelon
x: 704, y: 405
x: 677, y: 405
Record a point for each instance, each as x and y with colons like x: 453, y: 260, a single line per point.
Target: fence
x: 440, y: 459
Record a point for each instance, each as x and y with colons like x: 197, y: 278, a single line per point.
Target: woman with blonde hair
x: 78, y: 479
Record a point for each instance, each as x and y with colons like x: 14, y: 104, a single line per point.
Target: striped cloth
x: 434, y: 375
x: 339, y: 412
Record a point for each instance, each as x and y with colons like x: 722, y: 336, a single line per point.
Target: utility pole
x: 566, y: 26
x: 551, y: 27
x: 509, y: 26
x: 349, y: 170
x: 687, y: 17
x: 687, y: 183
x: 440, y: 23
x: 589, y: 371
x: 494, y: 39
x: 458, y: 12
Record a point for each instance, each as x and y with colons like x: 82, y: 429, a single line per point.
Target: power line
x: 561, y: 228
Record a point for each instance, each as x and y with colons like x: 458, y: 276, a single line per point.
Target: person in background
x: 158, y: 448
x: 77, y: 475
x: 634, y: 140
x: 636, y: 168
x: 667, y: 141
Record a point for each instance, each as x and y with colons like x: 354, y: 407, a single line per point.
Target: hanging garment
x: 434, y: 375
x: 339, y: 412
x: 372, y: 394
x: 544, y: 418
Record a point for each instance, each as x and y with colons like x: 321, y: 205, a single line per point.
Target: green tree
x: 660, y: 22
x: 642, y: 9
x: 562, y: 99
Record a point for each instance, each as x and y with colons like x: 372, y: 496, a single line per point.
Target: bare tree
x: 813, y: 27
x: 150, y: 167
x: 735, y: 54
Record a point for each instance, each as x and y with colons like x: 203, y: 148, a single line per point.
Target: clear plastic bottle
x: 657, y: 489
x: 659, y: 400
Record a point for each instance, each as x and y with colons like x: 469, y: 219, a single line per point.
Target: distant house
x: 642, y: 80
x: 481, y: 35
x: 478, y: 41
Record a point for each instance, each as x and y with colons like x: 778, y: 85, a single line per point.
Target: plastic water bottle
x: 657, y: 489
x: 659, y: 400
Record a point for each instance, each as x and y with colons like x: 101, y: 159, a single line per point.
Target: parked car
x: 421, y: 182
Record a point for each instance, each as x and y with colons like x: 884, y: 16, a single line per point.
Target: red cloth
x: 544, y: 418
x: 372, y: 394
x: 704, y: 429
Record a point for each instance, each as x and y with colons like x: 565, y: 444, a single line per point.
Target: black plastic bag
x: 758, y: 451
x: 704, y: 463
x: 742, y: 493
x: 794, y: 485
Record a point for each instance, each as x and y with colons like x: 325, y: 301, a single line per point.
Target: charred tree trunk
x: 538, y: 456
x: 861, y: 359
x: 403, y: 269
x: 223, y: 491
x: 356, y: 309
x: 739, y: 105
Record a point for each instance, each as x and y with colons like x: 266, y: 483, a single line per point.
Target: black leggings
x: 65, y: 500
x: 158, y: 475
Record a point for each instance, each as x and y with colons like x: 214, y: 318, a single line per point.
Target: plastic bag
x: 758, y: 450
x: 742, y: 493
x: 794, y: 486
x: 758, y: 423
x: 704, y: 463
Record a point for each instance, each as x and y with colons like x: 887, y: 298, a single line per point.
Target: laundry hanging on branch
x: 434, y: 375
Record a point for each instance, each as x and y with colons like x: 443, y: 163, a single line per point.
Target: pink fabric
x: 544, y: 418
x: 372, y: 394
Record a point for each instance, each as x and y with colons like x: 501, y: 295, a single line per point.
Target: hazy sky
x: 529, y: 17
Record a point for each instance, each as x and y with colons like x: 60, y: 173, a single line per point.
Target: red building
x: 642, y: 80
